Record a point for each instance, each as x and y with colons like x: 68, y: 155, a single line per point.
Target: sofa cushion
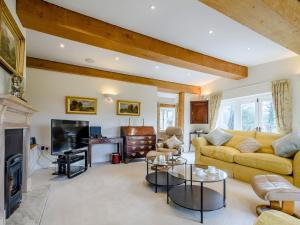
x: 248, y: 145
x: 266, y: 140
x: 173, y: 142
x: 239, y: 136
x: 288, y: 145
x: 265, y: 161
x: 220, y: 152
x: 218, y: 137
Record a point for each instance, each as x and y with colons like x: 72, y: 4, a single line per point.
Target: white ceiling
x: 185, y: 23
x: 182, y: 22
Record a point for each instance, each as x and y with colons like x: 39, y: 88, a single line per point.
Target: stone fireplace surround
x: 14, y: 114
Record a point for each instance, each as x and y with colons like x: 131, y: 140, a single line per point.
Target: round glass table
x: 193, y: 195
x: 157, y: 170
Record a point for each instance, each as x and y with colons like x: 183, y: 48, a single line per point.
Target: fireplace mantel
x: 14, y: 114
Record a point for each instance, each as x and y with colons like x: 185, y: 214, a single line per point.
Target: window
x: 248, y: 113
x: 167, y: 117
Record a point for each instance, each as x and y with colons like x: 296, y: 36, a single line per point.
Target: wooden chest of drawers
x: 138, y: 141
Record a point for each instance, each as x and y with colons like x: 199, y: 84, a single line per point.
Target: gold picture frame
x: 12, y: 42
x: 128, y: 108
x: 81, y: 105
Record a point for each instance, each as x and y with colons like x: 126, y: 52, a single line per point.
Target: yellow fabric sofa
x: 244, y: 166
x: 273, y: 217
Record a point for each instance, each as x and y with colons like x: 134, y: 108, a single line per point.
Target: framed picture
x: 128, y: 108
x: 12, y: 42
x: 81, y: 105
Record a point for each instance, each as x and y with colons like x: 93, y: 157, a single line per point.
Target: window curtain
x: 282, y: 102
x: 214, y: 103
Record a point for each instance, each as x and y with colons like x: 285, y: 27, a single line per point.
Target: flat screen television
x: 67, y: 135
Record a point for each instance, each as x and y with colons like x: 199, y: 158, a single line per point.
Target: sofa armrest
x: 296, y: 169
x: 198, y: 143
x: 273, y: 217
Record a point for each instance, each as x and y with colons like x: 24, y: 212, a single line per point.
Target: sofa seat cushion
x: 265, y: 161
x: 220, y: 152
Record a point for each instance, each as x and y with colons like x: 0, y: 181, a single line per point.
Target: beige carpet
x: 119, y: 195
x: 31, y: 210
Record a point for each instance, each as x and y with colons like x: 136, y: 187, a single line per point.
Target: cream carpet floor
x: 119, y: 195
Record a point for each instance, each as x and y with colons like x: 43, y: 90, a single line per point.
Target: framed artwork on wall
x: 12, y: 42
x: 128, y: 108
x: 81, y: 105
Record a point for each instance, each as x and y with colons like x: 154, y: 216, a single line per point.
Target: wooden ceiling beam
x: 51, y: 19
x: 278, y: 20
x: 86, y: 71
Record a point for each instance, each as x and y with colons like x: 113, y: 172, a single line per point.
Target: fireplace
x: 15, y: 121
x: 13, y: 183
x: 13, y: 169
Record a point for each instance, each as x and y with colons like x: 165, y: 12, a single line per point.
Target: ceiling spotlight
x: 117, y: 58
x: 152, y: 7
x: 157, y: 67
x: 210, y: 31
x: 62, y: 45
x: 89, y: 60
x: 248, y: 49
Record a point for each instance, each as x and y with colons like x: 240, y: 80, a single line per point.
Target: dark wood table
x: 98, y: 141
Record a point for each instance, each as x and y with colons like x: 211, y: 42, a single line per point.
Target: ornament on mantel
x: 17, y: 86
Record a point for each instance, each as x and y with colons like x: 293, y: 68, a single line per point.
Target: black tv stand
x: 64, y: 163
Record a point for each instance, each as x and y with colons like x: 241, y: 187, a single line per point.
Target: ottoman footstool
x: 278, y: 191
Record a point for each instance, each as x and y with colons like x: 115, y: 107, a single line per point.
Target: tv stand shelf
x: 65, y: 161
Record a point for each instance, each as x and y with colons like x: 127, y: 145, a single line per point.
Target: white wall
x: 259, y: 81
x: 46, y: 91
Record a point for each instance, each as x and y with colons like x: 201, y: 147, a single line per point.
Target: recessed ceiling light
x: 89, y: 60
x: 117, y: 58
x: 156, y: 67
x: 152, y: 7
x: 248, y: 49
x: 62, y: 45
x: 210, y: 31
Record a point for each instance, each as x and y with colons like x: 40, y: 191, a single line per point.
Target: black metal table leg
x: 224, y: 193
x: 167, y: 188
x: 155, y: 179
x: 201, y: 203
x: 147, y: 167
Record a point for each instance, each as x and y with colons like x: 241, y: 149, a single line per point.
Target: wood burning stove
x: 13, y: 183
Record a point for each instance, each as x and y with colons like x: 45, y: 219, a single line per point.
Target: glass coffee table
x: 192, y: 194
x: 157, y: 171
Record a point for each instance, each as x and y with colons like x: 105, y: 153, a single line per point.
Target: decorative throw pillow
x: 173, y: 142
x: 288, y: 145
x: 248, y: 145
x: 218, y: 137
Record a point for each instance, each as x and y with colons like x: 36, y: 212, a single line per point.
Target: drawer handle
x: 133, y: 142
x: 133, y: 148
x: 133, y: 154
x: 142, y: 147
x: 142, y: 142
x: 142, y: 153
x: 149, y: 147
x: 150, y: 142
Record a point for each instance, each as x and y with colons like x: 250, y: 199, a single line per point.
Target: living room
x: 149, y: 112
